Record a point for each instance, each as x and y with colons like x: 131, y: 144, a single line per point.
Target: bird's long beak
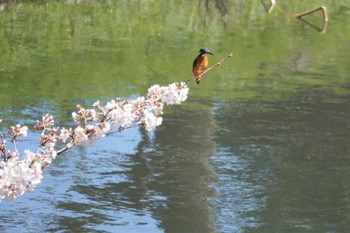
x: 209, y: 53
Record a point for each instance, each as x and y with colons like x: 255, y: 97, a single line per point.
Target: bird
x: 200, y: 63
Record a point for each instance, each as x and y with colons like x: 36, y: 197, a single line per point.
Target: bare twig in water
x: 324, y: 14
x: 269, y: 8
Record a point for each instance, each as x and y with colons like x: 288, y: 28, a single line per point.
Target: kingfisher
x: 200, y: 63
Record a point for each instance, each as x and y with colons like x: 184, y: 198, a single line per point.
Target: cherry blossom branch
x: 18, y: 176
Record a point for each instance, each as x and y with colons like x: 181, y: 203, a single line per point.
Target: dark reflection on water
x: 283, y: 167
x: 183, y: 175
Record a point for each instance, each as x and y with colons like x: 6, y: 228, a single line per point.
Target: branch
x: 324, y: 14
x: 207, y: 70
x: 18, y: 176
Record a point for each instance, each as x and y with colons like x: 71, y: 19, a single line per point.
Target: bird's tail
x: 198, y: 79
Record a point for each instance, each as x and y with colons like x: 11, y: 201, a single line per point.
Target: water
x: 283, y: 169
x: 261, y: 145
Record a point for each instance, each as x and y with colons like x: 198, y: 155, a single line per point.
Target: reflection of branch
x: 324, y: 14
x: 221, y: 5
x: 212, y: 67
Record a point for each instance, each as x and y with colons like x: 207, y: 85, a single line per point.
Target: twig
x: 273, y: 5
x: 324, y: 14
x: 270, y: 8
x: 212, y: 67
x: 69, y: 145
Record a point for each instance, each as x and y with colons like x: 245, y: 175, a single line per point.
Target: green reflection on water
x: 118, y: 48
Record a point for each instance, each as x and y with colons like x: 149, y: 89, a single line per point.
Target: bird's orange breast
x: 201, y: 65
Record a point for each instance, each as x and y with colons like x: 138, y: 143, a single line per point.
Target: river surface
x: 262, y: 145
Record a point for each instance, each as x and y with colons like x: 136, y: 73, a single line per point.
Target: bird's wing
x: 194, y: 63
